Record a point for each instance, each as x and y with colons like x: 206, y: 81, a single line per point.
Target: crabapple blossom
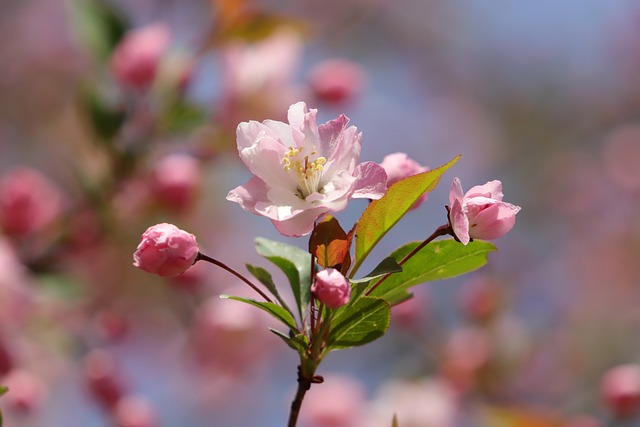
x: 103, y: 378
x: 336, y: 81
x: 340, y: 402
x: 480, y: 213
x: 303, y: 171
x: 175, y: 180
x: 331, y: 288
x: 28, y: 391
x: 620, y: 389
x: 166, y: 250
x: 136, y: 59
x: 29, y: 202
x: 399, y: 166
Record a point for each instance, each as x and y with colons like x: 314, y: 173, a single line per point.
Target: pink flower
x: 134, y: 411
x: 29, y: 202
x: 103, y: 377
x: 26, y: 393
x: 175, y: 180
x: 302, y: 171
x: 166, y: 250
x: 331, y: 288
x: 335, y: 80
x: 621, y: 389
x: 480, y: 213
x: 340, y: 402
x: 399, y: 166
x: 135, y: 60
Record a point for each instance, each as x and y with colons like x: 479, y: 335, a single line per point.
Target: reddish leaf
x: 330, y: 244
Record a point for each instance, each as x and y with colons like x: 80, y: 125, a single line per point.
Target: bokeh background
x: 97, y: 145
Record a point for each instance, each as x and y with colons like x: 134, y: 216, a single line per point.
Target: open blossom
x: 331, y: 288
x: 480, y: 213
x: 136, y: 59
x: 399, y: 166
x: 166, y: 250
x: 302, y: 170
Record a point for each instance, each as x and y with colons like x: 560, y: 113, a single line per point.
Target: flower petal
x: 300, y: 224
x: 455, y: 193
x: 492, y: 190
x: 371, y: 181
x: 248, y: 195
x: 459, y: 221
x: 494, y: 221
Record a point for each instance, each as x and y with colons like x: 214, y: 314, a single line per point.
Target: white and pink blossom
x: 303, y: 171
x: 480, y: 213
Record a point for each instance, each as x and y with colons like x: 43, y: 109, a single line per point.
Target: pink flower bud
x: 480, y: 213
x: 621, y: 389
x: 103, y: 379
x: 399, y: 166
x: 175, y: 180
x: 29, y: 202
x: 134, y: 411
x: 336, y: 81
x: 166, y: 250
x: 331, y: 288
x: 26, y: 391
x: 135, y: 60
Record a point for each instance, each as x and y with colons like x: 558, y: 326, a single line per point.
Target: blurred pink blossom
x: 166, y: 250
x: 620, y: 389
x: 480, y: 213
x: 480, y: 299
x: 228, y: 336
x: 136, y: 59
x: 331, y: 288
x: 134, y: 411
x: 103, y: 377
x: 302, y: 170
x: 175, y: 181
x: 338, y: 402
x: 26, y: 391
x: 399, y: 166
x: 29, y: 202
x: 336, y: 81
x: 421, y: 403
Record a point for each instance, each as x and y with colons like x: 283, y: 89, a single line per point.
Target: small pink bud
x: 336, y: 81
x: 166, y: 250
x: 621, y: 389
x: 26, y: 391
x: 331, y: 288
x: 135, y: 60
x: 29, y: 202
x: 134, y: 411
x: 480, y: 213
x: 175, y: 180
x: 103, y: 378
x: 399, y: 166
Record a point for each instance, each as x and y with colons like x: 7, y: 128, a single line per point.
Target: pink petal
x: 264, y: 160
x: 459, y: 222
x: 371, y: 181
x: 300, y: 224
x: 492, y: 189
x: 247, y: 195
x: 494, y: 221
x: 455, y: 193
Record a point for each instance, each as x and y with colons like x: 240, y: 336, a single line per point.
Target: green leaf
x: 366, y: 320
x: 383, y: 214
x: 3, y: 390
x: 273, y: 309
x: 388, y: 265
x: 265, y: 278
x: 99, y: 26
x: 182, y: 117
x: 106, y: 116
x: 441, y: 259
x: 296, y: 342
x: 330, y: 244
x: 296, y: 265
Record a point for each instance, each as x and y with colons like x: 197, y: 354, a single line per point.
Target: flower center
x: 306, y: 172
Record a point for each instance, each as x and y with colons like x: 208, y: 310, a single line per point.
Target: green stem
x: 213, y: 261
x: 443, y: 230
